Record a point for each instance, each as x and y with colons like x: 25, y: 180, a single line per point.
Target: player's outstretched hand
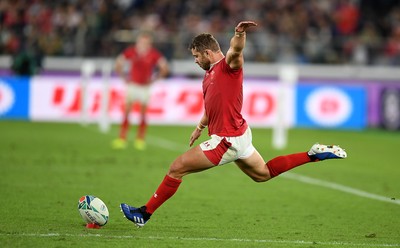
x: 244, y: 25
x: 195, y: 135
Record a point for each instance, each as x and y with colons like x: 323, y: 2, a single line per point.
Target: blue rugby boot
x: 138, y: 216
x: 322, y: 152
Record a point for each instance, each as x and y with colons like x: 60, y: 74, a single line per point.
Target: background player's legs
x: 120, y: 142
x: 141, y: 94
x: 141, y: 132
x: 125, y: 122
x: 142, y: 122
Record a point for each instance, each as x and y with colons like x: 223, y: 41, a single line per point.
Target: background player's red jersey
x: 142, y: 65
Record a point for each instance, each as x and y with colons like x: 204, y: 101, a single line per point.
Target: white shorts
x: 137, y: 93
x: 223, y: 150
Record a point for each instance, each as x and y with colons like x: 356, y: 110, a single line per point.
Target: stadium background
x: 346, y: 57
x: 350, y: 48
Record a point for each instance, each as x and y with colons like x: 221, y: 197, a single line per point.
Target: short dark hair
x: 204, y: 41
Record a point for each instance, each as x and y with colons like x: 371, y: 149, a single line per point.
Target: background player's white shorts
x: 222, y: 150
x: 137, y: 93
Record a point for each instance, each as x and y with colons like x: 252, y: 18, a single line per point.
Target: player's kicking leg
x: 255, y: 167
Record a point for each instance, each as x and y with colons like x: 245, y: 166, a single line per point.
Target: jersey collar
x: 212, y: 65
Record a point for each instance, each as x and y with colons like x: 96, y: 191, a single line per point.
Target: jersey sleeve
x: 232, y: 72
x: 128, y: 53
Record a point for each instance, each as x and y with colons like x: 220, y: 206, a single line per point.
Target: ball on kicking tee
x: 93, y: 210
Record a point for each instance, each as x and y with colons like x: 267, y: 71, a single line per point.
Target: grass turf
x: 46, y: 167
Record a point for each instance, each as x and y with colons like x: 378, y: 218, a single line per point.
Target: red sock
x: 281, y: 164
x: 167, y: 188
x: 124, y: 128
x: 142, y: 130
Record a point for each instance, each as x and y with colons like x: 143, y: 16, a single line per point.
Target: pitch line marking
x: 271, y: 241
x: 339, y: 187
x: 169, y: 145
x: 154, y: 141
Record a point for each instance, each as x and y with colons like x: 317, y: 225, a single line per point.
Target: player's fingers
x: 191, y: 141
x: 193, y: 138
x: 250, y: 23
x: 243, y: 26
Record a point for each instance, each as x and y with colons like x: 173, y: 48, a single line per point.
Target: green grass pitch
x: 47, y: 167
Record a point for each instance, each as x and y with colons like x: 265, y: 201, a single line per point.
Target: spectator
x: 323, y: 31
x: 392, y: 49
x: 27, y: 61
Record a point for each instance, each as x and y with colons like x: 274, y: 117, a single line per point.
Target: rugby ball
x: 93, y: 210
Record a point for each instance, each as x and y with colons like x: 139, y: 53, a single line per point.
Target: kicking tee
x: 223, y: 99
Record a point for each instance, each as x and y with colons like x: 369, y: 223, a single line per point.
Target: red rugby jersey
x: 223, y: 99
x: 142, y: 65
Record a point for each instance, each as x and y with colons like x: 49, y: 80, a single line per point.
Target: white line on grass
x: 339, y: 187
x: 270, y: 241
x: 152, y: 140
x: 169, y: 145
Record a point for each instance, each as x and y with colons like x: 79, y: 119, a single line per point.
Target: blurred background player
x: 146, y: 64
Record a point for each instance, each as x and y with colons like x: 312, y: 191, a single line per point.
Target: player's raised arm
x: 234, y: 56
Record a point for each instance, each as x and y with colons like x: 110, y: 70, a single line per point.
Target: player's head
x: 201, y: 46
x: 144, y: 41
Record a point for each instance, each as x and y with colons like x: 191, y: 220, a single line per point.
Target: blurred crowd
x: 363, y: 32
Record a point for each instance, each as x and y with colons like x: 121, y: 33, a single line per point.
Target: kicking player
x: 143, y: 59
x: 231, y: 139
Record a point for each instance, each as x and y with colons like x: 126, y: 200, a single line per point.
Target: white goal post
x: 104, y: 120
x: 88, y: 68
x: 288, y: 76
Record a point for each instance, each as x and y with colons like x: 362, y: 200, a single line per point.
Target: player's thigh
x: 254, y: 166
x: 191, y: 161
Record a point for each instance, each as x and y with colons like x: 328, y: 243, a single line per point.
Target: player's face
x: 201, y: 59
x: 144, y: 43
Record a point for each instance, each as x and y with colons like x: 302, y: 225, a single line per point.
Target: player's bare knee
x: 176, y: 169
x: 260, y: 178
